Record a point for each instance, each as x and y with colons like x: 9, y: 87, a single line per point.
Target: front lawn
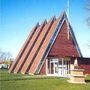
x: 26, y: 82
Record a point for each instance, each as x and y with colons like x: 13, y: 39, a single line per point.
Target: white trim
x: 62, y: 68
x: 50, y: 67
x: 46, y: 66
x: 54, y: 63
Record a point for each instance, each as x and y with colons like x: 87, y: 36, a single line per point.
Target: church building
x: 50, y: 49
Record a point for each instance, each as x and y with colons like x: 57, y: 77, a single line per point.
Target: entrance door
x: 53, y: 67
x: 58, y: 67
x: 63, y: 68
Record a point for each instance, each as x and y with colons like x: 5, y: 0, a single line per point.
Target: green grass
x: 26, y: 82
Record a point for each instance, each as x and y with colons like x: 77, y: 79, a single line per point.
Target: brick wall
x: 63, y: 46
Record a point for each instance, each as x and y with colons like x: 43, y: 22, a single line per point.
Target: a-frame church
x: 50, y: 49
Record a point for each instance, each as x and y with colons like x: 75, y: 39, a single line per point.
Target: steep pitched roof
x: 23, y: 48
x: 38, y: 45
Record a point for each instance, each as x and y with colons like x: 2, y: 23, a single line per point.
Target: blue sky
x: 18, y: 17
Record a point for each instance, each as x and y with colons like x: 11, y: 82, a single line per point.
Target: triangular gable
x: 64, y: 46
x: 74, y: 50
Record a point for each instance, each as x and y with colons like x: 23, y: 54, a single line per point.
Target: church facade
x: 50, y: 49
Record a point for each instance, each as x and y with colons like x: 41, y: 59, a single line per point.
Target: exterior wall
x: 43, y: 69
x: 63, y: 46
x: 84, y: 63
x: 58, y: 67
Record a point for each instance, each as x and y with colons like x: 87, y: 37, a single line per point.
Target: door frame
x: 61, y: 70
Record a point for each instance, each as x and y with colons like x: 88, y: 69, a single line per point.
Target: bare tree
x: 5, y: 56
x: 2, y: 56
x: 88, y: 11
x: 87, y: 8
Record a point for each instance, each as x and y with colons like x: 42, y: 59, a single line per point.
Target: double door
x: 63, y: 68
x: 59, y: 67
